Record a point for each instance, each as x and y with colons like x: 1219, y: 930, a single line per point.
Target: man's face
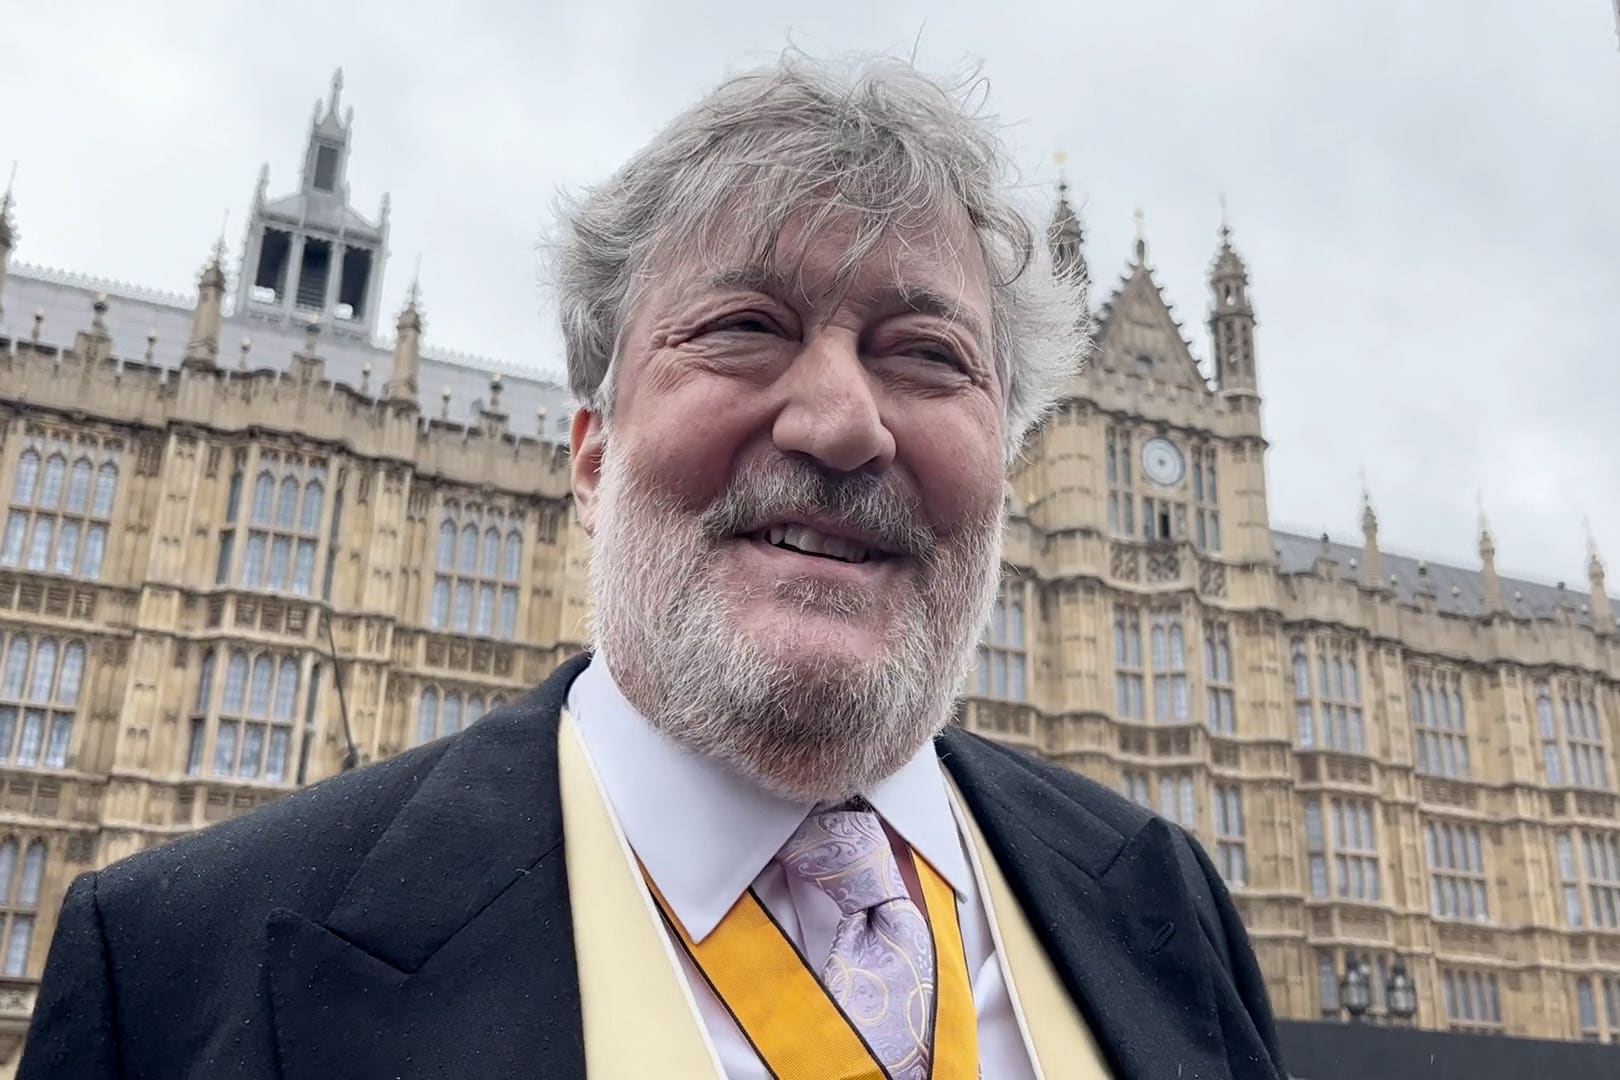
x: 806, y: 480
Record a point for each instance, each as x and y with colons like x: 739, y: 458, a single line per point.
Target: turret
x: 1372, y: 573
x: 202, y: 346
x: 311, y: 254
x: 402, y: 382
x: 8, y: 238
x: 1231, y: 319
x: 1067, y: 239
x: 1602, y: 612
x: 1491, y: 585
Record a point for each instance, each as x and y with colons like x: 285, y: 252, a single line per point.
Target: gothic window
x: 1586, y: 1014
x: 1206, y: 500
x: 1589, y: 871
x: 1002, y: 669
x: 1335, y: 698
x: 1169, y: 654
x: 1472, y: 999
x: 1304, y: 712
x: 282, y: 530
x: 39, y: 694
x: 1573, y: 752
x: 445, y: 712
x: 1176, y: 799
x: 245, y: 729
x: 1229, y: 843
x: 61, y: 504
x: 1456, y: 871
x: 1327, y: 984
x: 1121, y: 483
x: 478, y: 559
x: 1134, y: 786
x: 1439, y: 727
x: 19, y: 900
x: 1220, y: 714
x: 1342, y: 849
x: 1128, y: 695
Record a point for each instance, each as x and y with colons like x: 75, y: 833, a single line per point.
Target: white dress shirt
x: 705, y: 834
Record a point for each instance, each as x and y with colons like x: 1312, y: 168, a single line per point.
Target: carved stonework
x: 1122, y: 563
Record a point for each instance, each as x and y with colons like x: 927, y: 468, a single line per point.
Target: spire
x: 1371, y: 565
x: 1141, y: 236
x: 1490, y: 584
x: 7, y: 237
x: 401, y: 386
x: 1066, y: 236
x: 202, y: 346
x: 1231, y: 316
x: 1602, y: 612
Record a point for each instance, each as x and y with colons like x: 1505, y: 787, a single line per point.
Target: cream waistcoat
x: 638, y: 1014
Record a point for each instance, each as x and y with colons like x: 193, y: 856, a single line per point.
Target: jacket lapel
x: 1109, y: 904
x: 450, y: 953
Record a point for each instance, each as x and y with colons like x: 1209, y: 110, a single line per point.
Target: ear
x: 585, y: 444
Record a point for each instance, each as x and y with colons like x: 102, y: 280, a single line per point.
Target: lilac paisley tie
x: 881, y: 967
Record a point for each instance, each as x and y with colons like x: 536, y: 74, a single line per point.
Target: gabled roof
x: 1137, y: 321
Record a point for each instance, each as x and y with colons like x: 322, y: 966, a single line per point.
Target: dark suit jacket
x: 411, y: 919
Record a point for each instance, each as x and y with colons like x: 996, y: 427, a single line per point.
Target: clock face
x: 1162, y: 462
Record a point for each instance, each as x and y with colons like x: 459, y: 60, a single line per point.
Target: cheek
x: 959, y: 470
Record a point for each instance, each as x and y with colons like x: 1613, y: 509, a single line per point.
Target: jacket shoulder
x: 297, y: 852
x: 1020, y: 776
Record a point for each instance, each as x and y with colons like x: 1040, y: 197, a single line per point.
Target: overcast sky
x: 1428, y: 195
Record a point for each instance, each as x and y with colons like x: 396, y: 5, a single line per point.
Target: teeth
x: 811, y: 542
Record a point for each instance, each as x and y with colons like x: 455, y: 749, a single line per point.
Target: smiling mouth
x: 803, y: 540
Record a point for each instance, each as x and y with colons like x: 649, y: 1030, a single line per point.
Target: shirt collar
x: 704, y: 832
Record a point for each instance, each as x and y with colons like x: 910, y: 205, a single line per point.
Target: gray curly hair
x: 870, y: 141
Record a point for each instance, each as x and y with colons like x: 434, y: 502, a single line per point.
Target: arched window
x: 78, y: 494
x: 287, y: 505
x: 286, y: 690
x: 427, y: 716
x: 106, y: 488
x: 19, y: 902
x: 259, y: 688
x: 309, y: 519
x: 472, y: 588
x: 492, y: 552
x: 205, y: 683
x: 264, y: 494
x: 27, y: 478
x: 514, y: 555
x: 450, y: 719
x: 447, y: 545
x: 475, y: 710
x: 50, y: 493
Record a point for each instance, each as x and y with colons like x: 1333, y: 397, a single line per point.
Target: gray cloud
x: 1424, y: 193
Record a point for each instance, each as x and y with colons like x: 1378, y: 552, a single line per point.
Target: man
x: 739, y: 837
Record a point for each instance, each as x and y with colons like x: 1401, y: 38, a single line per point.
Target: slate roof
x: 133, y: 312
x: 1297, y: 554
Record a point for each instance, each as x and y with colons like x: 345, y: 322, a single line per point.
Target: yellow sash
x: 782, y: 1009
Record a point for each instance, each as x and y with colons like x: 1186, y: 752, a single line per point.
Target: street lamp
x: 1355, y: 989
x: 1401, y: 992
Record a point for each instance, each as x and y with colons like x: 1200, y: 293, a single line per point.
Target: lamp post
x: 1401, y: 993
x: 1355, y: 989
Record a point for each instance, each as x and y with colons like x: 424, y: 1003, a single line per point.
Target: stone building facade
x: 228, y: 570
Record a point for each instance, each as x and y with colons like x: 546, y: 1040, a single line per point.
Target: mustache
x: 772, y: 489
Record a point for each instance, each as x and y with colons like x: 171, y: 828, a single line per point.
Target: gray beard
x: 806, y: 729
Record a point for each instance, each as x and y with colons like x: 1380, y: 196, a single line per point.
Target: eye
x: 745, y: 322
x: 932, y: 351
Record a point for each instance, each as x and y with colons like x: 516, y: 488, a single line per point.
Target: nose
x: 831, y: 409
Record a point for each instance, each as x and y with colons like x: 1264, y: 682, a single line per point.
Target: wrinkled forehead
x: 825, y: 254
